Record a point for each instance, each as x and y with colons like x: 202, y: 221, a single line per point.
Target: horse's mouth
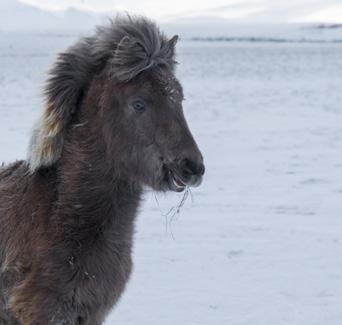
x: 175, y: 183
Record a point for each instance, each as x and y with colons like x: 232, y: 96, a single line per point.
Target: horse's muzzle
x: 185, y: 174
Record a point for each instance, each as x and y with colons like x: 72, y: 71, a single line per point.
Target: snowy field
x: 261, y: 241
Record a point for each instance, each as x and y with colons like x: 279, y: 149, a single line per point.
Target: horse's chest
x: 102, y: 276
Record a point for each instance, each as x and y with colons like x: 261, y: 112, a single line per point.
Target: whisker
x: 191, y: 196
x: 161, y: 212
x: 170, y: 215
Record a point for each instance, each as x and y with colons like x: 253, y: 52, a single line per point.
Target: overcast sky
x: 239, y: 10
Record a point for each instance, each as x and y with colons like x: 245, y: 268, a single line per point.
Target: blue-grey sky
x: 238, y: 10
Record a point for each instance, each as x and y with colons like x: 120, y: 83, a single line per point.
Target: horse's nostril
x: 201, y: 169
x: 190, y: 168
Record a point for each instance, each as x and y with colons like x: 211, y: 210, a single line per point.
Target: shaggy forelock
x: 127, y: 45
x: 139, y: 45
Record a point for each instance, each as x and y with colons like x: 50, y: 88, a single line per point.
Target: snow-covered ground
x: 261, y: 241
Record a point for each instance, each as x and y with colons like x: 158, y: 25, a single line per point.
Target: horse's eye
x: 138, y: 105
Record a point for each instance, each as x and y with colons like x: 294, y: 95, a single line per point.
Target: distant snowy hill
x: 204, y: 28
x: 16, y: 16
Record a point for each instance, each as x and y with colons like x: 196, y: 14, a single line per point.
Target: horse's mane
x: 130, y: 44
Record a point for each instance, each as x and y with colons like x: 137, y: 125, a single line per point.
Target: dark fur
x: 67, y: 214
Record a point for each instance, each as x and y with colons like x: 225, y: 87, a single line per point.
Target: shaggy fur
x: 113, y: 123
x: 130, y: 44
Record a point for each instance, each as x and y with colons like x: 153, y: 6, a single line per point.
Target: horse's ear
x: 172, y: 46
x: 125, y: 43
x: 130, y: 58
x: 63, y: 91
x: 173, y: 41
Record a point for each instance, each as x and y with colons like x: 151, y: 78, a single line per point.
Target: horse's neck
x: 94, y: 198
